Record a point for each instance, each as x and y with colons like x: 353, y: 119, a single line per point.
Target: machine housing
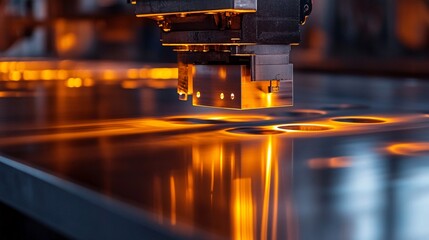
x: 231, y: 53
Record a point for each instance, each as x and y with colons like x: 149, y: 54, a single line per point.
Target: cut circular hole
x: 410, y: 149
x: 367, y: 120
x: 185, y: 120
x: 299, y: 113
x: 305, y: 128
x: 344, y: 107
x: 254, y: 131
x: 221, y: 120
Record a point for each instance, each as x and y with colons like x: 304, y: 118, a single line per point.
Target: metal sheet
x: 350, y: 160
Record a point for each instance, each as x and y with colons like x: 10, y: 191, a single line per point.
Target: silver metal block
x: 230, y: 86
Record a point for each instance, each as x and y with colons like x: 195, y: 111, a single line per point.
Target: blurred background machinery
x: 380, y: 36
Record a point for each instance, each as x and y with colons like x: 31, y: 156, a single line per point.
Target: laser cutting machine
x: 231, y: 53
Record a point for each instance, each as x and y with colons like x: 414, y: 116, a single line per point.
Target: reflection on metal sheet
x: 231, y: 174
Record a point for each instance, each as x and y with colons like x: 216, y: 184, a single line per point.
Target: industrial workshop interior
x: 226, y: 119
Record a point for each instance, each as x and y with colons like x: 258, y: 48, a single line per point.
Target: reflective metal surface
x: 349, y: 161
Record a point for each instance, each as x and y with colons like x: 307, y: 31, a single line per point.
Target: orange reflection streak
x: 410, y: 149
x: 243, y: 216
x: 173, y: 200
x: 276, y: 201
x: 157, y: 198
x: 269, y: 97
x: 62, y: 70
x: 221, y: 153
x: 267, y: 187
x: 216, y: 118
x: 212, y: 181
x: 335, y: 162
x: 190, y: 188
x: 344, y: 125
x: 108, y: 128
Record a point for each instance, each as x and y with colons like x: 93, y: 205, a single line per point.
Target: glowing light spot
x: 222, y: 73
x: 163, y: 73
x: 74, y: 82
x: 198, y: 94
x: 232, y: 96
x: 222, y: 96
x: 67, y: 42
x: 15, y: 75
x: 269, y: 99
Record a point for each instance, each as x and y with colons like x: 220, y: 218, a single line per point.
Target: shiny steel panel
x: 123, y: 156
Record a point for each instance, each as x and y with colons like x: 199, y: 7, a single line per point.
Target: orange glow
x: 305, y: 127
x: 12, y: 85
x: 222, y: 73
x: 133, y: 73
x: 67, y: 42
x: 88, y: 82
x: 173, y: 200
x: 31, y: 75
x: 15, y: 75
x: 109, y: 75
x: 346, y: 125
x: 267, y: 187
x: 410, y: 149
x: 231, y: 10
x: 130, y: 84
x: 4, y: 67
x: 215, y: 119
x: 63, y: 70
x: 48, y: 74
x: 144, y: 73
x: 269, y: 97
x: 335, y: 162
x: 163, y: 73
x: 101, y: 129
x: 74, y: 82
x: 243, y: 214
x: 62, y: 74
